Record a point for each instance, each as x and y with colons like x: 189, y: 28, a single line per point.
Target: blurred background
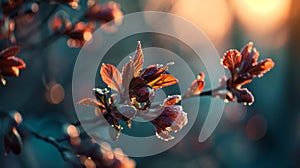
x: 265, y: 134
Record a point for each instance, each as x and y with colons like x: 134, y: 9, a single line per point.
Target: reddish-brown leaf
x: 12, y: 61
x: 152, y: 72
x: 10, y: 51
x: 232, y: 59
x: 127, y: 75
x: 262, y: 67
x: 9, y: 64
x: 138, y: 60
x: 9, y: 71
x: 197, y: 85
x: 165, y: 68
x: 162, y: 81
x: 172, y: 100
x: 132, y: 68
x: 249, y: 57
x: 242, y: 80
x: 91, y: 102
x: 246, y: 50
x: 111, y: 76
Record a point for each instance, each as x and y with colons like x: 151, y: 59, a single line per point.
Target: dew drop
x: 246, y: 75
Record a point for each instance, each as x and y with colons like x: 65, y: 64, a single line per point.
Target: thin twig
x: 48, y: 139
x: 212, y: 92
x: 87, y: 121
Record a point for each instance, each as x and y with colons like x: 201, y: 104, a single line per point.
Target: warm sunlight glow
x: 264, y: 19
x: 263, y: 7
x: 213, y: 17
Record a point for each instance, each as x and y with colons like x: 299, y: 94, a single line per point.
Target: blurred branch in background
x: 79, y: 150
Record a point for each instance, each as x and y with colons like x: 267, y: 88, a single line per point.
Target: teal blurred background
x: 265, y: 134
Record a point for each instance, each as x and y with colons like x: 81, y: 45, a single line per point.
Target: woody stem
x: 48, y: 139
x: 212, y: 92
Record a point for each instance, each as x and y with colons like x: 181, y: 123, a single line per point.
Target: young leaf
x: 232, y: 59
x: 91, y: 102
x: 10, y: 51
x: 132, y: 68
x: 162, y: 81
x: 262, y: 67
x: 196, y: 86
x: 172, y: 100
x: 127, y: 76
x: 165, y: 68
x: 111, y: 76
x: 152, y: 72
x: 138, y: 60
x: 11, y: 61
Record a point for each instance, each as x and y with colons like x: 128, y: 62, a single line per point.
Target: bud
x: 105, y: 13
x: 243, y: 96
x: 142, y: 94
x: 197, y: 86
x: 6, y: 27
x: 13, y: 142
x: 173, y: 118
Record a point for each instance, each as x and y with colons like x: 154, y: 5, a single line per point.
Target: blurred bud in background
x: 12, y: 138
